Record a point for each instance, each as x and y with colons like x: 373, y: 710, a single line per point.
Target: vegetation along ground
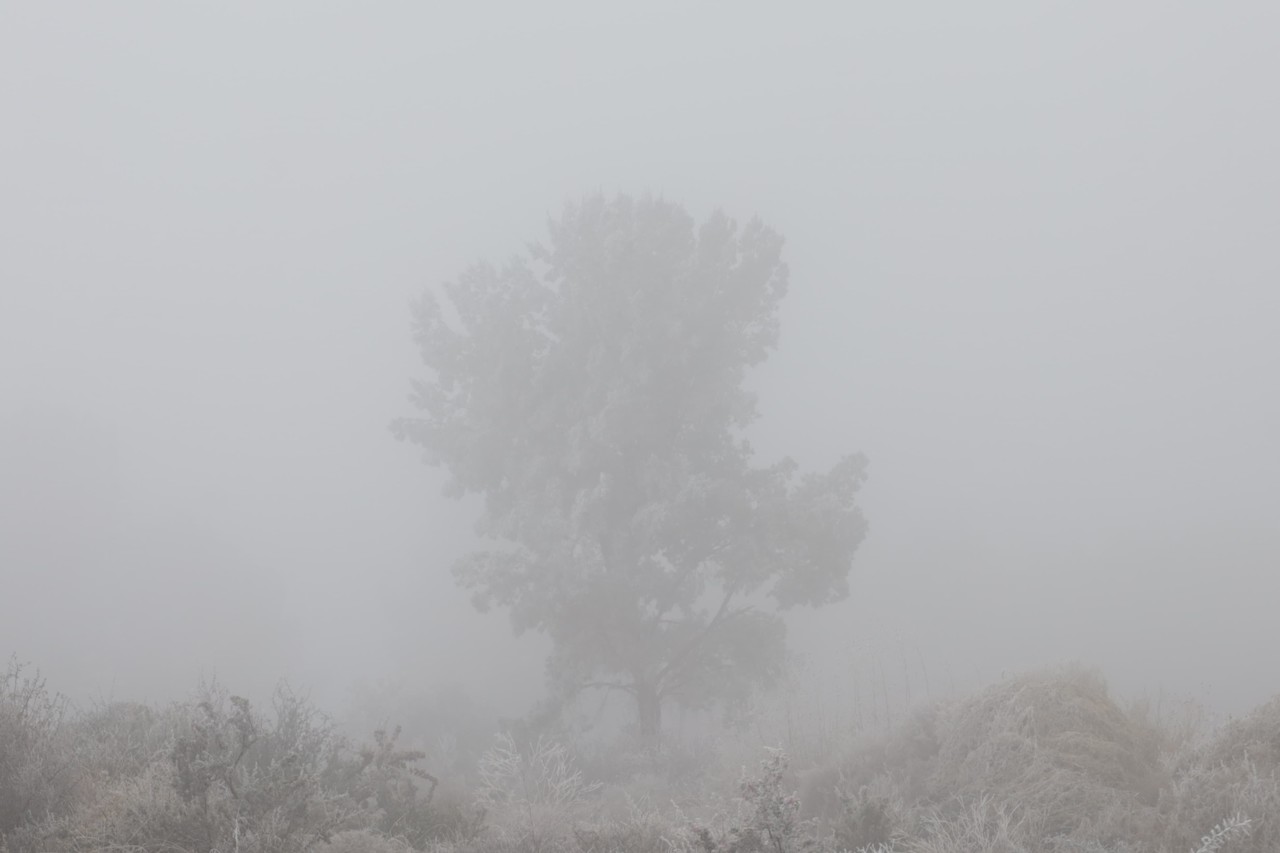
x: 1045, y: 761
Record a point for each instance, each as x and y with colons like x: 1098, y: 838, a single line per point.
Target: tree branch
x: 607, y: 685
x: 693, y: 566
x: 698, y: 640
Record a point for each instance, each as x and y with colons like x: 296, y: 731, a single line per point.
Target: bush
x: 1237, y: 772
x: 1050, y: 748
x: 1043, y: 763
x: 768, y: 820
x: 982, y: 825
x: 641, y: 831
x: 866, y: 821
x: 363, y: 841
x: 119, y: 740
x: 387, y: 780
x: 532, y: 794
x: 898, y: 766
x: 37, y: 771
x: 229, y: 779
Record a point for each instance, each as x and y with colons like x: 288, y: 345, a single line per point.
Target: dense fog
x: 1033, y: 278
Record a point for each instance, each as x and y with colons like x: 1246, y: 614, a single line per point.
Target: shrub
x: 143, y: 813
x: 37, y: 772
x: 387, y: 781
x: 982, y: 825
x: 363, y: 841
x: 867, y: 820
x: 1053, y: 742
x: 230, y: 779
x: 1238, y: 771
x: 640, y: 831
x: 119, y: 740
x: 903, y: 762
x: 769, y: 819
x: 1233, y: 827
x: 533, y: 794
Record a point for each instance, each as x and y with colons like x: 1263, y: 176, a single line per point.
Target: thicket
x: 1041, y: 763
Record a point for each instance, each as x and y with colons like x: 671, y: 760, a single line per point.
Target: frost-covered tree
x: 591, y: 391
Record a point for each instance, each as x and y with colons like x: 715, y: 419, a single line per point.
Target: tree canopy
x: 591, y: 391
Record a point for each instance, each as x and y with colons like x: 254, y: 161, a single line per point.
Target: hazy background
x: 1034, y: 262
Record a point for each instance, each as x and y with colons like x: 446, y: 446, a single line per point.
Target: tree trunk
x: 649, y: 703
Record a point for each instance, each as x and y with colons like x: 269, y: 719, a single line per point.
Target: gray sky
x: 1034, y: 276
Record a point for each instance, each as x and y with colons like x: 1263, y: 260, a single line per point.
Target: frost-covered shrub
x: 1234, y: 827
x: 119, y: 740
x: 768, y: 819
x: 37, y: 771
x: 899, y: 765
x: 229, y: 779
x: 532, y: 794
x: 981, y: 825
x: 1053, y: 742
x: 1236, y: 772
x: 867, y: 820
x: 363, y: 841
x: 640, y: 831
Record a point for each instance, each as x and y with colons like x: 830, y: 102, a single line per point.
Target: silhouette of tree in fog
x: 591, y: 391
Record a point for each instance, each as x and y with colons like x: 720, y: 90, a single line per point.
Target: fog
x: 1033, y: 278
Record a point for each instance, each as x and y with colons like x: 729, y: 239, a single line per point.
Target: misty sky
x: 1034, y: 278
